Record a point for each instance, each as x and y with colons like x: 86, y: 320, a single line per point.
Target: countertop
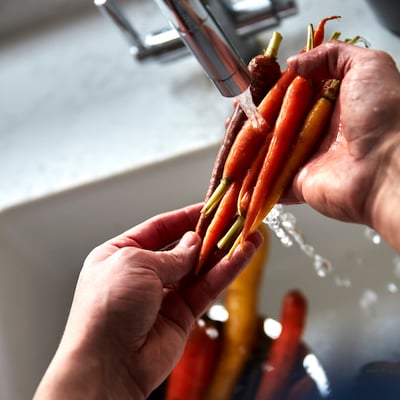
x: 75, y: 107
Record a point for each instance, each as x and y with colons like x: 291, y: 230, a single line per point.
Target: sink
x: 77, y: 121
x: 43, y: 244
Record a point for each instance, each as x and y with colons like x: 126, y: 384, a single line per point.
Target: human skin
x: 133, y: 309
x: 355, y: 173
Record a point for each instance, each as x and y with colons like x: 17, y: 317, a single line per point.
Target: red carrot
x: 225, y: 213
x: 283, y: 353
x: 294, y: 108
x: 192, y: 374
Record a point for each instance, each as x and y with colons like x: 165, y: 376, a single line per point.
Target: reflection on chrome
x: 317, y: 374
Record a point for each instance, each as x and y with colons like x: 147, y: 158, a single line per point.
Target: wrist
x: 385, y: 204
x: 83, y: 370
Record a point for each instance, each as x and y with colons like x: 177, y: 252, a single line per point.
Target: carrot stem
x: 233, y: 232
x: 273, y: 46
x: 215, y: 198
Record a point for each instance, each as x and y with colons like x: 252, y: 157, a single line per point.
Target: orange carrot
x: 251, y: 177
x: 283, y: 353
x: 320, y: 30
x: 294, y: 108
x: 225, y: 213
x: 310, y: 133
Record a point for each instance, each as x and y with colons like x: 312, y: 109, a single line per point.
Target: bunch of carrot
x: 263, y: 158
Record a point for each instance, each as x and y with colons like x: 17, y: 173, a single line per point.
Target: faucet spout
x: 203, y: 35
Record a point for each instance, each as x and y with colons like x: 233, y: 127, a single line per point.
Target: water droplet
x: 368, y: 300
x: 322, y: 266
x: 308, y: 249
x: 372, y: 235
x: 343, y: 281
x: 288, y: 220
x: 286, y: 241
x: 392, y: 287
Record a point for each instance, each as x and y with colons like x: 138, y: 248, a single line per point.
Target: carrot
x: 247, y: 385
x: 249, y: 140
x: 283, y: 353
x: 320, y: 30
x: 190, y: 377
x: 264, y: 72
x: 251, y: 178
x: 240, y: 331
x: 244, y: 198
x: 310, y: 133
x: 295, y: 106
x: 303, y: 389
x: 225, y: 213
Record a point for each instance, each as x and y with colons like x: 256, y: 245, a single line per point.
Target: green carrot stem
x: 335, y: 36
x: 216, y: 197
x: 310, y: 38
x: 273, y: 45
x: 232, y: 234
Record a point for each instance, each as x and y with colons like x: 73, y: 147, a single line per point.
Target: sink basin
x: 352, y: 311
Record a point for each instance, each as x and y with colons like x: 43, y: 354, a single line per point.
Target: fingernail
x: 190, y: 239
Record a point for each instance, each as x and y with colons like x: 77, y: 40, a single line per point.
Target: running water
x: 283, y: 224
x: 245, y: 100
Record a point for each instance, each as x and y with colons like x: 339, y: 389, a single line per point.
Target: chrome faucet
x: 219, y: 34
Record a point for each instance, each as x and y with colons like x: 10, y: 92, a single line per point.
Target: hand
x: 355, y: 174
x: 132, y: 310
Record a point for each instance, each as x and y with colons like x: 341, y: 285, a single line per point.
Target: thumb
x: 332, y: 59
x: 174, y: 264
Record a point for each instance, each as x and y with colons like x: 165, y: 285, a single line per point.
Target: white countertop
x: 74, y: 107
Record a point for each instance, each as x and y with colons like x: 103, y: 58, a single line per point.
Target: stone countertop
x: 74, y: 106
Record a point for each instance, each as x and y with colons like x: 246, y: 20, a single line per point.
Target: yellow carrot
x: 240, y: 331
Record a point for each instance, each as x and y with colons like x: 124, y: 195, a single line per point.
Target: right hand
x: 355, y: 173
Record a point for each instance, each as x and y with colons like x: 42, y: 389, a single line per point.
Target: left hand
x: 132, y: 310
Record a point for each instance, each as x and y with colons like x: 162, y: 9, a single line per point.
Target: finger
x: 173, y: 265
x: 161, y: 230
x: 201, y: 293
x: 329, y: 60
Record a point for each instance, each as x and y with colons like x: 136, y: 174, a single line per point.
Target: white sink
x: 43, y: 244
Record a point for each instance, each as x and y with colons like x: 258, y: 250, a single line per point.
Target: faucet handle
x: 164, y: 44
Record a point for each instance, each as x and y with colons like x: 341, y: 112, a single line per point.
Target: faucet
x: 218, y: 33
